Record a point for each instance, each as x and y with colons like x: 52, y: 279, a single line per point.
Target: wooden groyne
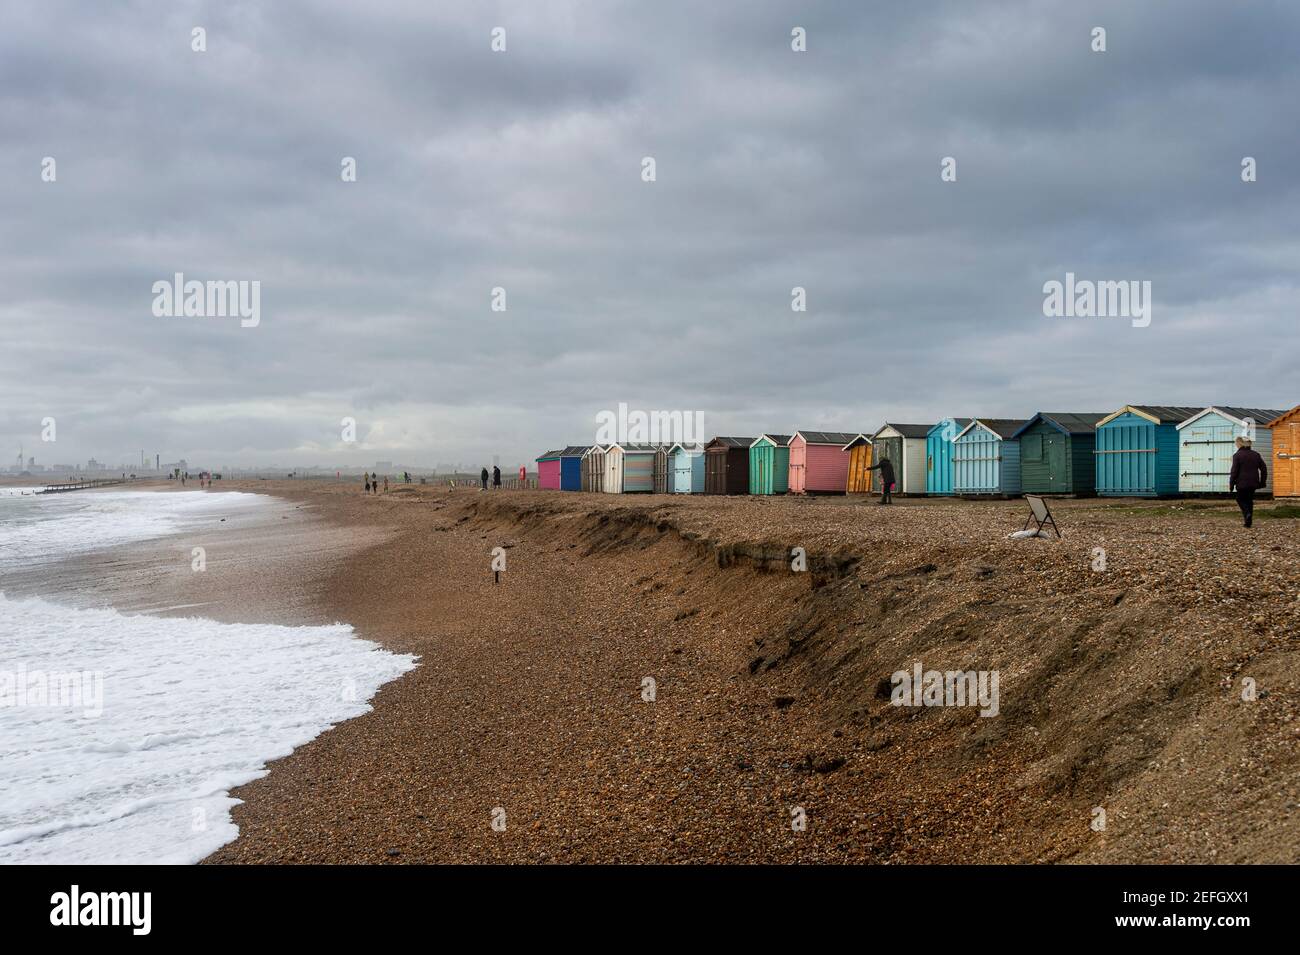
x: 79, y: 485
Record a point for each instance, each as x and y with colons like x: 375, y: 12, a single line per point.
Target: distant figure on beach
x: 1249, y: 474
x: 482, y: 478
x: 385, y: 483
x: 366, y: 475
x: 886, y: 470
x: 496, y: 478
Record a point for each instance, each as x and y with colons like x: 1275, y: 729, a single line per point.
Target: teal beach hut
x: 769, y: 464
x: 1056, y: 452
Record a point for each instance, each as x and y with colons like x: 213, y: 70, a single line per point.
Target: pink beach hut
x: 819, y: 463
x: 548, y: 471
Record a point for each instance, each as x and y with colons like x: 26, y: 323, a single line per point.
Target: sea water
x: 121, y: 735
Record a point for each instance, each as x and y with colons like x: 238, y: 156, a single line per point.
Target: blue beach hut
x: 686, y: 469
x: 986, y: 458
x: 571, y: 467
x: 1137, y: 450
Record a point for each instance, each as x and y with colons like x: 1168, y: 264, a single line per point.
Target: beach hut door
x: 1054, y: 455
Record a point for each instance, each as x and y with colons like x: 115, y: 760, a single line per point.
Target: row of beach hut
x: 1137, y: 451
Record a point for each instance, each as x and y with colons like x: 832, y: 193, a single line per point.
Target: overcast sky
x: 523, y: 169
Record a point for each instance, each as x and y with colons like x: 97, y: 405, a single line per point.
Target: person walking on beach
x: 886, y: 470
x: 385, y: 483
x: 366, y: 475
x: 496, y: 478
x: 482, y: 478
x: 1249, y: 474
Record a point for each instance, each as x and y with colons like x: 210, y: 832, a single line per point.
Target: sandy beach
x: 1121, y: 689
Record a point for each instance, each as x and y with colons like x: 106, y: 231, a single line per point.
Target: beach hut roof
x: 1285, y: 414
x: 1156, y: 414
x: 959, y: 422
x: 907, y: 430
x: 725, y: 442
x: 1066, y: 422
x: 575, y: 450
x: 837, y: 438
x: 1260, y: 416
x: 780, y: 440
x: 596, y: 448
x: 628, y: 447
x: 547, y: 456
x: 1003, y: 427
x: 860, y: 439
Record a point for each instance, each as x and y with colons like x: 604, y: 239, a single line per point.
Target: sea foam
x: 190, y: 709
x: 171, y: 713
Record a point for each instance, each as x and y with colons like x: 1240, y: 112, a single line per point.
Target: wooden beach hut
x: 1285, y: 466
x: 986, y: 458
x: 593, y: 469
x: 938, y: 454
x: 633, y: 468
x: 769, y: 464
x: 1137, y: 450
x: 686, y: 464
x: 571, y: 467
x: 726, y: 465
x: 548, y: 471
x: 903, y: 445
x: 663, y: 469
x: 1056, y: 452
x: 819, y: 463
x: 859, y: 480
x: 1208, y: 439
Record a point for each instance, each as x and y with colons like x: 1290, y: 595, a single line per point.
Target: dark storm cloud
x: 522, y: 170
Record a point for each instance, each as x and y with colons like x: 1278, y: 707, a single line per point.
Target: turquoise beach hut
x: 1137, y: 450
x: 938, y: 454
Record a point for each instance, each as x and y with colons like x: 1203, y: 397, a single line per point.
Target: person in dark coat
x: 886, y: 469
x: 496, y: 478
x: 1249, y: 474
x: 482, y: 477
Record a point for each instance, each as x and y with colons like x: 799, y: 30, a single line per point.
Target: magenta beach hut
x: 548, y: 471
